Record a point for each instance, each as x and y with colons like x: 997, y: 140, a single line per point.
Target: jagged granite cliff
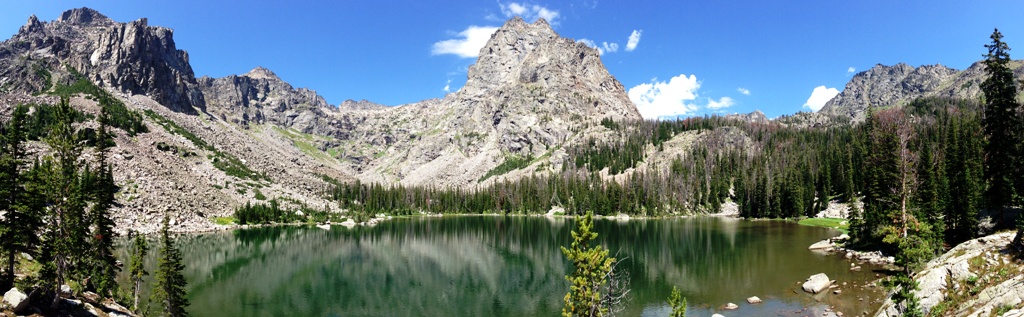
x: 532, y: 93
x: 885, y: 86
x: 129, y: 57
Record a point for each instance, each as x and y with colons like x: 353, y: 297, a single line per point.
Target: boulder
x: 825, y: 245
x: 17, y: 300
x: 731, y: 306
x: 717, y: 315
x: 65, y: 290
x: 816, y: 283
x: 754, y: 300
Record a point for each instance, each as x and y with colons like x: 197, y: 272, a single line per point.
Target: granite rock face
x: 131, y: 57
x: 897, y: 85
x: 261, y: 97
x: 531, y: 92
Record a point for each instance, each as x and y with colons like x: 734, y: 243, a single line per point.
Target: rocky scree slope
x: 887, y: 86
x: 190, y: 164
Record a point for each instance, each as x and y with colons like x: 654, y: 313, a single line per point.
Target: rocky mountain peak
x: 884, y: 86
x: 33, y: 25
x: 508, y: 47
x: 82, y: 16
x: 261, y: 73
x: 132, y: 58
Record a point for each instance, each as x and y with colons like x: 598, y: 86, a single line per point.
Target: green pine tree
x: 137, y: 266
x: 678, y: 303
x: 169, y: 289
x: 17, y: 197
x: 591, y: 266
x: 103, y: 263
x: 1002, y: 123
x: 63, y: 243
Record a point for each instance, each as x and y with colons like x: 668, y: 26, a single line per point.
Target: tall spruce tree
x: 102, y: 262
x: 169, y: 289
x: 1002, y: 123
x: 21, y: 214
x: 64, y: 238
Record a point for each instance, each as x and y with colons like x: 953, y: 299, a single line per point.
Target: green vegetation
x: 68, y: 190
x: 224, y: 221
x: 120, y: 116
x: 225, y: 162
x: 591, y: 267
x: 677, y: 302
x: 272, y: 212
x: 304, y: 142
x: 137, y: 269
x: 511, y: 163
x: 835, y: 223
x: 169, y: 288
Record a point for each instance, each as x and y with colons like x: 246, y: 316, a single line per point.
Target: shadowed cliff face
x: 129, y: 57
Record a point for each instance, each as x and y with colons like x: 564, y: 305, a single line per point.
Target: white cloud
x: 448, y: 86
x: 468, y: 46
x: 819, y: 97
x: 634, y: 39
x: 851, y: 70
x: 743, y: 91
x: 724, y: 102
x: 608, y: 47
x: 529, y: 12
x: 605, y: 47
x: 666, y: 99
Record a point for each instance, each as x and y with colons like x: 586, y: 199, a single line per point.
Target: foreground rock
x: 976, y: 278
x: 816, y: 283
x: 16, y: 299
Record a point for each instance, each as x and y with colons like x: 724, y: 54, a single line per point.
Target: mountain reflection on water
x: 504, y: 266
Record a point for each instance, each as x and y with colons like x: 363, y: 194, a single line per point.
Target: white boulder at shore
x: 816, y: 283
x: 754, y: 300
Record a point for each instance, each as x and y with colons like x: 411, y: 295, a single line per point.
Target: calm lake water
x: 508, y: 266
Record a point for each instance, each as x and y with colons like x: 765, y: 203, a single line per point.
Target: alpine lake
x: 509, y: 266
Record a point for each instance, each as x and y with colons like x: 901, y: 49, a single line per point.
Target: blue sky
x: 689, y: 57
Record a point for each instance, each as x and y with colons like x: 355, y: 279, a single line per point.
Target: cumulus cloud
x: 743, y: 91
x: 605, y: 47
x: 659, y: 99
x: 724, y: 102
x: 448, y: 86
x: 468, y: 45
x: 819, y: 97
x: 609, y: 47
x: 528, y: 12
x: 851, y: 70
x: 634, y: 39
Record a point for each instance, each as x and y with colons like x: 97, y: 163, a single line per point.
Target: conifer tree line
x: 56, y: 205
